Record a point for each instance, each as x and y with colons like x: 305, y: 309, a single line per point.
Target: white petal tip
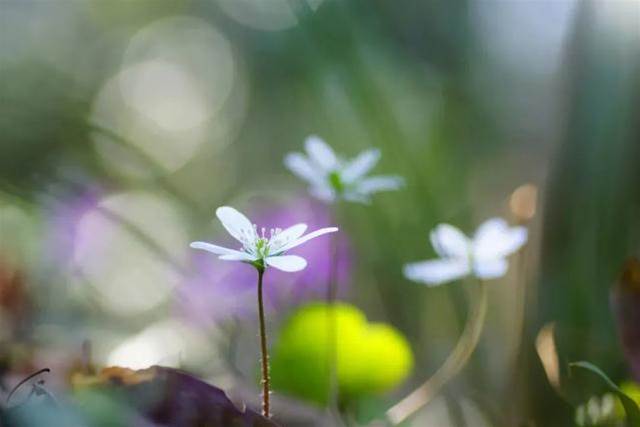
x: 290, y: 157
x: 312, y: 137
x: 222, y: 209
x: 411, y: 274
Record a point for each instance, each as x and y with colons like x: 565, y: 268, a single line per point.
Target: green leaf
x: 630, y: 406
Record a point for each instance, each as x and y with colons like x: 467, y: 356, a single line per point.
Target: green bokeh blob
x: 371, y: 357
x: 631, y: 389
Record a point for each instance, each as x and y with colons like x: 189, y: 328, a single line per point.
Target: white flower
x: 483, y: 256
x: 261, y: 249
x: 331, y: 177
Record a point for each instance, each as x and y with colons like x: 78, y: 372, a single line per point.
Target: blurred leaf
x: 630, y: 406
x: 625, y: 305
x: 171, y: 398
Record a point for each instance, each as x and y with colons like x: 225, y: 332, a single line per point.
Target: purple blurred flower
x: 219, y: 290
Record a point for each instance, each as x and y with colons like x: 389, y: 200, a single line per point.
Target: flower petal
x: 436, y: 271
x: 288, y: 263
x: 320, y: 153
x: 323, y: 192
x: 354, y: 196
x: 375, y: 184
x: 495, y: 239
x: 359, y: 166
x: 300, y: 166
x: 448, y: 241
x: 236, y: 224
x: 307, y: 237
x: 240, y: 256
x: 286, y: 236
x: 490, y: 269
x: 218, y: 250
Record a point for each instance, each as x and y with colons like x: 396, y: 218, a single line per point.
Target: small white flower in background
x: 259, y: 248
x: 598, y: 411
x: 331, y: 178
x: 483, y: 256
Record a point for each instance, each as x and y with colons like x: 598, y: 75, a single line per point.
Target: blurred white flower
x: 331, y: 178
x: 598, y: 411
x: 260, y: 249
x: 483, y: 256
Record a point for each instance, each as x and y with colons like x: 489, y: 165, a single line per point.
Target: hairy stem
x: 263, y: 348
x: 454, y: 363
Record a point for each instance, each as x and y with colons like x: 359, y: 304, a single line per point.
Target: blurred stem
x: 332, y: 327
x: 518, y: 387
x: 333, y: 398
x: 456, y: 414
x: 454, y: 363
x: 263, y: 347
x: 332, y: 286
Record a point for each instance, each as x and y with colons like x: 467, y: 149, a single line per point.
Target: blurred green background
x: 124, y: 124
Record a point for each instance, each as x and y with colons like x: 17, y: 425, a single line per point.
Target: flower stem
x: 454, y: 363
x: 517, y: 385
x: 263, y: 348
x: 332, y: 327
